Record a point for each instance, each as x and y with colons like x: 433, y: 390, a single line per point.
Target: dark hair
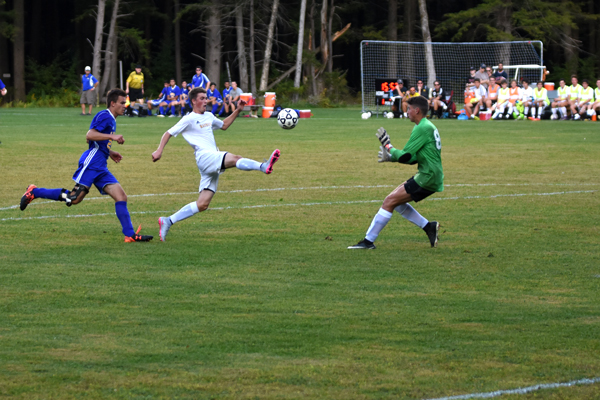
x: 525, y: 81
x: 172, y: 79
x: 477, y: 80
x: 436, y: 82
x: 562, y: 80
x: 213, y: 84
x: 585, y: 81
x: 167, y: 82
x: 198, y: 67
x: 573, y: 76
x: 113, y: 96
x: 420, y: 102
x: 195, y: 92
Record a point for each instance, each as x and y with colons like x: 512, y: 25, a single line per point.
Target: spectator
x: 235, y: 93
x: 595, y: 106
x: 470, y: 79
x: 436, y: 100
x: 134, y: 87
x: 399, y: 92
x: 161, y: 98
x: 184, y: 101
x: 173, y: 93
x: 88, y: 87
x: 514, y: 96
x: 575, y: 95
x: 422, y: 89
x: 526, y: 98
x: 214, y: 98
x: 586, y: 99
x: 472, y: 108
x: 503, y: 97
x: 561, y: 101
x: 488, y: 70
x: 3, y: 90
x: 540, y: 99
x: 500, y: 73
x: 200, y: 80
x: 412, y: 92
x: 492, y: 94
x: 483, y: 76
x: 227, y: 104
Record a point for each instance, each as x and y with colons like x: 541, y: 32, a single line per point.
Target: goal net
x: 383, y: 63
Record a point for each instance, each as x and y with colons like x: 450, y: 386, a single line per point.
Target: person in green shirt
x: 424, y: 148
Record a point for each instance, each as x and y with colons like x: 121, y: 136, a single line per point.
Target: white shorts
x: 545, y: 102
x: 210, y: 165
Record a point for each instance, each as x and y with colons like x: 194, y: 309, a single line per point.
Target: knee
x: 202, y: 206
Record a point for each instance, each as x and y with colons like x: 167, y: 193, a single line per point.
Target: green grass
x: 247, y: 302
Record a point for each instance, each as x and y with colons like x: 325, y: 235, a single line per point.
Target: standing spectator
x: 586, y: 99
x: 500, y: 73
x: 134, y: 86
x: 88, y: 95
x: 492, y: 94
x: 3, y: 90
x: 227, y: 104
x: 161, y: 98
x: 540, y: 99
x: 200, y: 80
x: 483, y: 76
x: 575, y: 93
x: 560, y: 103
x: 472, y: 108
x: 436, y: 100
x: 526, y: 98
x: 470, y: 81
x: 214, y: 98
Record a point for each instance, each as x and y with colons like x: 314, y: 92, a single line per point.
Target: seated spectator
x: 161, y: 98
x: 575, y: 90
x: 214, y: 98
x: 184, y: 101
x: 586, y: 99
x: 227, y: 102
x: 483, y: 76
x: 422, y: 89
x: 526, y: 99
x: 561, y: 101
x: 470, y: 81
x: 514, y: 93
x: 412, y: 92
x: 503, y: 97
x: 173, y: 93
x: 492, y: 94
x: 399, y: 92
x: 500, y: 73
x: 235, y: 93
x: 596, y: 105
x: 540, y: 100
x: 436, y: 100
x: 478, y: 99
x: 489, y: 72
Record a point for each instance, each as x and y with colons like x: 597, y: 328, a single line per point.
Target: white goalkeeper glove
x: 383, y: 155
x: 383, y: 137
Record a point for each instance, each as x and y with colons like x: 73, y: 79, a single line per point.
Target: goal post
x: 387, y: 61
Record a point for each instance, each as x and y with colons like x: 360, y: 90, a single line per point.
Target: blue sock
x: 173, y: 110
x: 161, y: 110
x: 124, y: 218
x: 52, y: 194
x: 215, y: 108
x: 149, y: 112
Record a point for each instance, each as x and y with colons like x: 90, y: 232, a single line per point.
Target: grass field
x: 258, y: 298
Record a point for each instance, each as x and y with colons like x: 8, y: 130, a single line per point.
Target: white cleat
x: 164, y: 223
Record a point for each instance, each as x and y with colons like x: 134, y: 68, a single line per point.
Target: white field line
x: 313, y: 188
x: 524, y: 390
x: 302, y: 205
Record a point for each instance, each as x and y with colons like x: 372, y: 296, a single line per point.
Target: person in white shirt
x: 586, y: 98
x: 560, y: 103
x: 526, y: 98
x: 479, y: 92
x: 197, y: 129
x: 540, y: 99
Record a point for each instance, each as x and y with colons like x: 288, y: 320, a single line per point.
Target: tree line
x: 307, y: 49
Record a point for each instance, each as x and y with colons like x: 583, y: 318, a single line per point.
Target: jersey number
x: 438, y: 139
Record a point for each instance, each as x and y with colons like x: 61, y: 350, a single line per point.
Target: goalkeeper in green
x: 423, y: 148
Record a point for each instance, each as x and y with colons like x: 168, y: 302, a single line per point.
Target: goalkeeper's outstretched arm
x: 387, y: 152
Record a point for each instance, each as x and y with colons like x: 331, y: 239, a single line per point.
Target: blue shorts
x: 98, y: 177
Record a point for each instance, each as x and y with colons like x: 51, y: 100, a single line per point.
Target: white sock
x: 185, y: 212
x: 563, y: 111
x: 412, y: 215
x: 510, y: 108
x: 246, y: 164
x: 539, y: 115
x: 554, y: 112
x: 590, y: 113
x: 526, y: 113
x: 379, y: 222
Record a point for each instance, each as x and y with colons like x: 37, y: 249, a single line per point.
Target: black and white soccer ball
x: 287, y: 118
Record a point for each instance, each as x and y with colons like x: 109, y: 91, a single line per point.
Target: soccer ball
x: 287, y: 118
x: 389, y: 115
x: 366, y: 115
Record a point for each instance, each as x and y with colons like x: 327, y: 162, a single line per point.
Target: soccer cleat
x: 431, y: 229
x: 138, y: 238
x: 272, y: 160
x: 172, y: 116
x: 553, y: 117
x: 27, y: 197
x: 364, y: 245
x: 164, y: 224
x: 160, y: 115
x: 476, y: 118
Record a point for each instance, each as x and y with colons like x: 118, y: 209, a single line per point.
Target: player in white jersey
x: 527, y: 98
x: 197, y: 129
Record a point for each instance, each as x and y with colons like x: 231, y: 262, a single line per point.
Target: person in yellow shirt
x: 586, y: 98
x: 575, y: 90
x: 134, y: 87
x: 596, y: 106
x: 412, y: 92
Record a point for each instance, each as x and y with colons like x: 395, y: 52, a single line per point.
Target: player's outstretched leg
x: 431, y: 229
x: 33, y: 192
x: 246, y: 164
x: 164, y: 224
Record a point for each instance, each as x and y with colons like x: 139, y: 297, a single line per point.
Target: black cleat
x: 137, y: 237
x: 431, y: 229
x: 363, y: 244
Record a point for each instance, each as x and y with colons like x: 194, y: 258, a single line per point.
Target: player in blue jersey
x: 173, y: 93
x: 200, y: 80
x: 214, y: 98
x: 2, y: 88
x: 93, y: 169
x: 161, y: 98
x: 184, y: 101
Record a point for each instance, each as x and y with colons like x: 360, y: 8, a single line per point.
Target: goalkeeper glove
x: 383, y: 155
x: 383, y: 138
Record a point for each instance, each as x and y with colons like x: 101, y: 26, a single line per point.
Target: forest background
x: 45, y: 45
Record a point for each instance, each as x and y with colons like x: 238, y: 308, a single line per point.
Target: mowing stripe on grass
x: 304, y: 204
x: 317, y: 188
x: 524, y: 390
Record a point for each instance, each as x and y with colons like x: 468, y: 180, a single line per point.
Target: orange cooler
x: 247, y: 97
x: 270, y: 99
x: 305, y: 114
x: 549, y: 85
x: 267, y: 111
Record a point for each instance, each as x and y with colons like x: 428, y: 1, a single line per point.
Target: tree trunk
x: 268, y: 47
x: 324, y: 34
x: 409, y: 20
x: 252, y: 60
x: 98, y: 40
x: 311, y: 69
x: 213, y: 43
x: 427, y: 40
x: 19, y: 50
x: 114, y: 67
x: 241, y: 47
x: 111, y: 51
x: 392, y: 20
x: 4, y: 60
x: 503, y: 16
x: 36, y: 27
x: 178, y: 76
x: 329, y: 39
x: 300, y: 46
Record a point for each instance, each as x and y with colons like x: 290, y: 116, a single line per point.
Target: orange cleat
x: 138, y: 238
x: 27, y: 197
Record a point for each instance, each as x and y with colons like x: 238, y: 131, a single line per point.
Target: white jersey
x: 526, y: 94
x: 586, y: 94
x: 479, y: 93
x: 197, y: 130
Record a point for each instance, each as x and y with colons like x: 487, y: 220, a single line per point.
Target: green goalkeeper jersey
x: 424, y: 147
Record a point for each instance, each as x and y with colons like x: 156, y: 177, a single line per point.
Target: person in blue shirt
x: 214, y: 98
x: 184, y: 101
x: 173, y: 93
x: 161, y: 98
x: 200, y: 80
x: 3, y: 90
x: 227, y: 104
x: 93, y: 169
x: 88, y: 87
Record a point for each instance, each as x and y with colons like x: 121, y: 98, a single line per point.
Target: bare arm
x: 94, y: 135
x: 163, y: 142
x: 229, y: 120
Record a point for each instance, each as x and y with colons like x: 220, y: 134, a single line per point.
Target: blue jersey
x: 96, y: 155
x: 88, y: 82
x: 164, y: 94
x: 200, y: 81
x: 2, y: 85
x: 214, y: 93
x: 174, y: 90
x: 226, y: 91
